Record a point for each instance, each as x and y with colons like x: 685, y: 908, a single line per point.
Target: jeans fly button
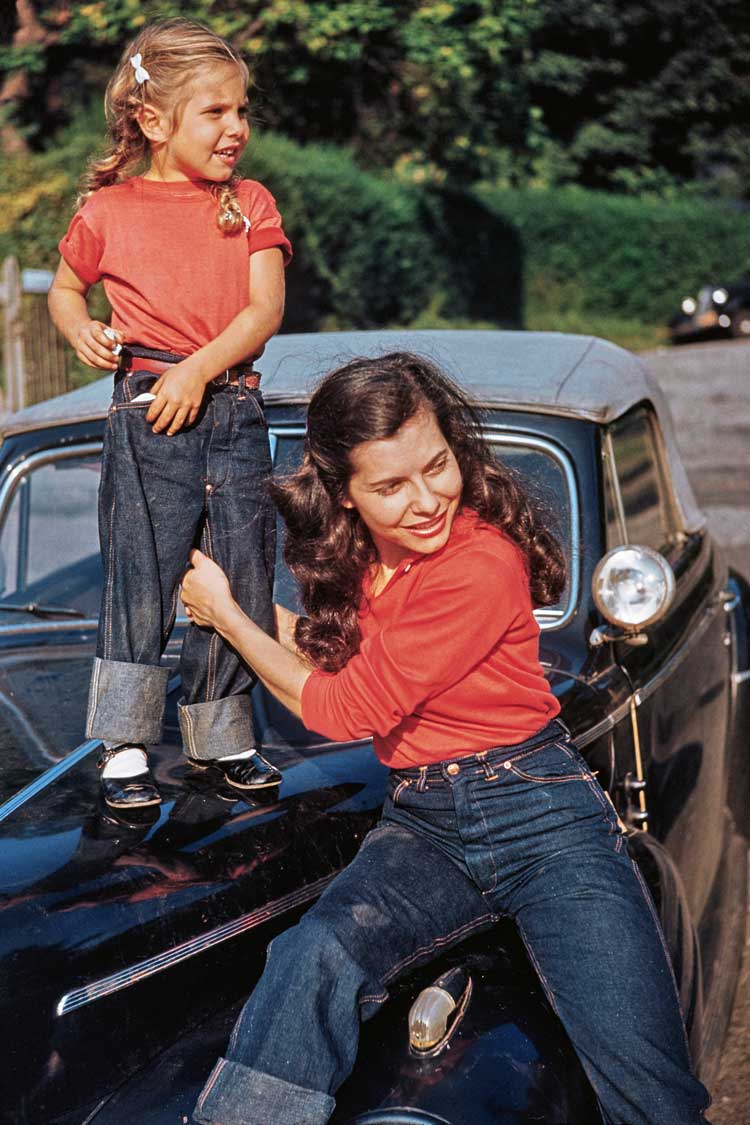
x: 452, y: 769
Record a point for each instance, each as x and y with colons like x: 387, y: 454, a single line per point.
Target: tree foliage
x: 614, y: 94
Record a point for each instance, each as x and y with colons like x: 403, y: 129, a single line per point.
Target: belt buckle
x: 222, y: 380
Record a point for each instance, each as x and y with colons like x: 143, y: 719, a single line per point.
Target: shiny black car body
x: 127, y: 948
x: 717, y: 311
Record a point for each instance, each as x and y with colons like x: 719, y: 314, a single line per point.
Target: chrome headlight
x: 633, y: 586
x: 689, y: 306
x: 438, y: 1010
x: 720, y: 296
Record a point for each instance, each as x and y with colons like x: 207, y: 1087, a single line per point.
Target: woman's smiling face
x: 406, y: 489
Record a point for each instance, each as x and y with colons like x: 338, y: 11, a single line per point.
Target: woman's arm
x: 179, y: 391
x: 70, y: 314
x: 286, y: 623
x: 208, y: 601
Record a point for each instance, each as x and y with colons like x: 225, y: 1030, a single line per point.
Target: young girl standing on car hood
x: 192, y: 258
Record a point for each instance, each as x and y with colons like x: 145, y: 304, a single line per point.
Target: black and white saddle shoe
x: 241, y: 773
x: 137, y: 791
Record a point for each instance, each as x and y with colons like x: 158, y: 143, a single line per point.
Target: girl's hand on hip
x: 95, y: 344
x: 206, y: 594
x: 179, y: 394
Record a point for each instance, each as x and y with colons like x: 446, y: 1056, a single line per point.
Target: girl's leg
x: 400, y: 902
x: 150, y: 505
x: 240, y: 535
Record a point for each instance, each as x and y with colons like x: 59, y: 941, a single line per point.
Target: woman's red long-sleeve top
x: 449, y: 659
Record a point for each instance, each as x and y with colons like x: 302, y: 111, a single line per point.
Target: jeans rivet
x: 506, y: 765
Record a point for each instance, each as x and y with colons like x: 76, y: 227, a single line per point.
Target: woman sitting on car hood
x: 420, y: 560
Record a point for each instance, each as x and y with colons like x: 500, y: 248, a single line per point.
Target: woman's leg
x: 544, y: 843
x: 590, y: 929
x: 400, y: 902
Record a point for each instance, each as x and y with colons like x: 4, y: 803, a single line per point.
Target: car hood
x: 124, y: 934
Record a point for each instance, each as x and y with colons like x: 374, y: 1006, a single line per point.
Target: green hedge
x: 618, y: 255
x: 371, y: 251
x: 362, y: 255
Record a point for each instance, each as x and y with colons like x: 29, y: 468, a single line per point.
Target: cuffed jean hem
x: 237, y: 1095
x: 126, y: 701
x: 215, y: 729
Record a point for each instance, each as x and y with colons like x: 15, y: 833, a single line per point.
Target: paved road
x: 708, y: 387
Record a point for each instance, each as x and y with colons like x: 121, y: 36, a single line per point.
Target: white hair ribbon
x: 141, y: 74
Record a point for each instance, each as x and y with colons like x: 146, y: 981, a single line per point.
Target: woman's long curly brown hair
x: 329, y: 548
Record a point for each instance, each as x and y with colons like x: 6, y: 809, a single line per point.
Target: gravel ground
x: 708, y: 387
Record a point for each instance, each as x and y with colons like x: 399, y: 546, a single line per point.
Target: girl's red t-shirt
x: 449, y: 659
x: 173, y: 279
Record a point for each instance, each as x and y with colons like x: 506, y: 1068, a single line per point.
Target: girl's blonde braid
x: 230, y: 219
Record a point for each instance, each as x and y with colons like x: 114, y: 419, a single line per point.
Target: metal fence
x: 36, y: 360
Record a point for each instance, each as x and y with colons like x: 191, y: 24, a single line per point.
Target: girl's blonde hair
x: 171, y: 51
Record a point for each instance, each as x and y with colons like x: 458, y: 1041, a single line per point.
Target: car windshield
x: 50, y: 565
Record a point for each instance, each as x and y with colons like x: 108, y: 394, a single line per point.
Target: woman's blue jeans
x: 207, y: 486
x: 522, y: 831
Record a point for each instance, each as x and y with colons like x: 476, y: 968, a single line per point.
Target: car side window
x: 49, y: 542
x: 639, y: 492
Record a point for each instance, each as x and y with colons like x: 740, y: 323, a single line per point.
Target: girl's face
x: 407, y: 489
x: 210, y: 132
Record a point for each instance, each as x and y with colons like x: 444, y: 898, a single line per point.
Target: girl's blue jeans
x: 522, y: 831
x: 160, y: 496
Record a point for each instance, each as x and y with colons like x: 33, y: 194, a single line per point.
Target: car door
x: 679, y: 668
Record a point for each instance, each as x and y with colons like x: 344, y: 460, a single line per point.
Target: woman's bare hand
x: 206, y: 594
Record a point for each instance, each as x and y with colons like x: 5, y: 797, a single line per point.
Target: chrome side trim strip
x: 89, y: 993
x: 605, y: 725
x: 46, y: 778
x: 51, y: 775
x: 69, y: 625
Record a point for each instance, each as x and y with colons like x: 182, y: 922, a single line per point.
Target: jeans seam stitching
x: 496, y: 873
x: 436, y: 944
x: 189, y: 731
x: 211, y: 1083
x: 667, y: 958
x: 213, y: 643
x: 532, y: 956
x: 110, y: 584
x: 399, y: 789
x: 93, y: 694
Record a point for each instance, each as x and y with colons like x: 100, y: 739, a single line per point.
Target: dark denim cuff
x: 126, y: 701
x: 237, y: 1095
x: 215, y: 729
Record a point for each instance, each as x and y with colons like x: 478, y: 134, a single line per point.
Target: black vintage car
x: 127, y: 948
x: 716, y: 311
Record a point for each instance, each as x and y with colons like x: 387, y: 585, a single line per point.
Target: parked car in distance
x: 717, y: 310
x: 128, y: 945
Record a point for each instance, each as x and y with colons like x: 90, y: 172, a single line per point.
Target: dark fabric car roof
x: 548, y: 372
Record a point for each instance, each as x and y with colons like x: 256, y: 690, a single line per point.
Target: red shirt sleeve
x: 449, y: 627
x: 259, y: 207
x: 82, y: 249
